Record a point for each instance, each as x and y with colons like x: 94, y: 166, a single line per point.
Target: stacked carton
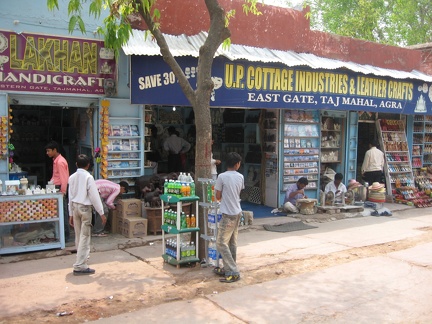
x: 127, y: 220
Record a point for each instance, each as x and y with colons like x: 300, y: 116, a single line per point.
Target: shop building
x: 52, y: 87
x: 314, y: 104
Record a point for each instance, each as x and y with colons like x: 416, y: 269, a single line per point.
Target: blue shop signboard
x: 245, y: 84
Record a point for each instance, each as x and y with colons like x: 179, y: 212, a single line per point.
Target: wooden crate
x: 154, y: 217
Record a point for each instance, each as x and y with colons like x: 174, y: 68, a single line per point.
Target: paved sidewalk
x: 140, y: 268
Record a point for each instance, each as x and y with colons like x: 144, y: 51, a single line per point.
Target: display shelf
x: 397, y: 163
x: 176, y: 256
x: 301, y: 144
x: 332, y: 128
x: 125, y: 145
x: 31, y: 223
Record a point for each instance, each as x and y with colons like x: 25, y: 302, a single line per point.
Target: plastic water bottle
x: 180, y: 177
x: 219, y: 216
x: 193, y: 250
x: 212, y: 253
x: 211, y: 219
x: 183, y: 251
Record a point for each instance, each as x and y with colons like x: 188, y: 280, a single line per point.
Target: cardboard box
x: 114, y: 221
x: 129, y: 208
x: 134, y: 227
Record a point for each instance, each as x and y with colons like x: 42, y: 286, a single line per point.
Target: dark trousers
x: 65, y: 215
x: 372, y: 176
x: 174, y: 163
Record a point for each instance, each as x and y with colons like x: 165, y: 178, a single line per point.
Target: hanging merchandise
x: 104, y: 132
x: 3, y: 137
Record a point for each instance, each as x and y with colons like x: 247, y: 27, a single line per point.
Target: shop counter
x: 31, y: 223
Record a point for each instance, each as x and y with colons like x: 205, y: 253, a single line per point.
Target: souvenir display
x: 301, y: 147
x: 393, y: 142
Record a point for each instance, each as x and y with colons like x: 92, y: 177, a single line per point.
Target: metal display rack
x: 209, y: 238
x: 177, y: 230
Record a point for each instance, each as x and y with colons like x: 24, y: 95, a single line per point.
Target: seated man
x: 108, y: 192
x: 294, y: 192
x: 337, y: 187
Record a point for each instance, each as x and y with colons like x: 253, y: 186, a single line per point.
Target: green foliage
x: 395, y: 22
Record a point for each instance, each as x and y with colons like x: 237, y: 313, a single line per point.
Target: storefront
x: 50, y: 89
x: 309, y: 119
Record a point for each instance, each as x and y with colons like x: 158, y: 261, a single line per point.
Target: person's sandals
x: 231, y: 278
x: 375, y: 213
x: 99, y: 235
x: 219, y: 271
x: 87, y: 271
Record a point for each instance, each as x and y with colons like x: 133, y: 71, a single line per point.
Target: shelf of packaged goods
x: 124, y: 118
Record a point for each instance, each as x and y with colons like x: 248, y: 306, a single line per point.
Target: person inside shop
x: 108, y: 191
x: 214, y: 164
x: 154, y: 156
x: 293, y: 193
x: 175, y: 146
x: 337, y: 187
x: 60, y: 177
x: 373, y: 164
x: 83, y: 194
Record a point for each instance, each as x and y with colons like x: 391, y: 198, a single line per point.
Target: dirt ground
x: 192, y: 284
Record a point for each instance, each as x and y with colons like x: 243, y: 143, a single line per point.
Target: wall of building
x: 284, y: 29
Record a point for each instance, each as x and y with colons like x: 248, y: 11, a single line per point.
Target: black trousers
x: 174, y: 163
x: 372, y: 176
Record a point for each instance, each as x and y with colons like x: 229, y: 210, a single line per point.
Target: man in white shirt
x: 83, y: 195
x: 175, y: 146
x: 337, y: 187
x: 373, y: 164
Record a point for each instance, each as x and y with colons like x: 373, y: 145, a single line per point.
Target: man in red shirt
x: 60, y: 177
x: 108, y: 192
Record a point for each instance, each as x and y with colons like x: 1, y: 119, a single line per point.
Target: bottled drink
x: 212, y: 253
x: 188, y: 221
x: 166, y: 186
x: 193, y: 250
x: 213, y: 197
x: 192, y: 188
x: 183, y: 220
x: 211, y: 219
x: 183, y: 190
x: 187, y: 251
x: 219, y: 216
x: 209, y: 193
x: 180, y: 177
x: 189, y: 178
x: 183, y: 251
x: 193, y: 221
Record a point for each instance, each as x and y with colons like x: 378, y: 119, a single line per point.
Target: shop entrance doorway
x: 366, y: 132
x: 33, y: 127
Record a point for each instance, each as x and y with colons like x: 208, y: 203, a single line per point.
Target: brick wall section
x: 286, y: 29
